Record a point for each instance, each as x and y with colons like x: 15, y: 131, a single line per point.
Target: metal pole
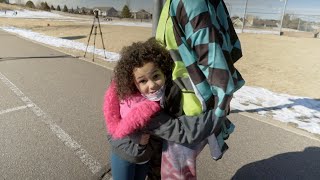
x: 157, y: 6
x: 244, y: 15
x: 94, y: 19
x: 104, y: 49
x: 94, y: 42
x: 283, y: 12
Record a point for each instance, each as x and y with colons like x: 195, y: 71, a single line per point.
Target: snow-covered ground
x: 303, y: 111
x: 32, y: 14
x: 58, y: 42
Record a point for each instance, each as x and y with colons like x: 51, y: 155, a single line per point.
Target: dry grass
x: 283, y: 64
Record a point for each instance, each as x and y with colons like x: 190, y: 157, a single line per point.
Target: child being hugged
x: 141, y: 101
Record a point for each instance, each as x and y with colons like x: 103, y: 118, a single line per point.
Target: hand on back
x: 144, y: 139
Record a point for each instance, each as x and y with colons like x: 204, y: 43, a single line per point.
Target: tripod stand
x: 96, y: 17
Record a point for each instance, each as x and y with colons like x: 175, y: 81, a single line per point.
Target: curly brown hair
x: 135, y: 56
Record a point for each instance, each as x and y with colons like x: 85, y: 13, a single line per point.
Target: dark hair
x: 135, y: 56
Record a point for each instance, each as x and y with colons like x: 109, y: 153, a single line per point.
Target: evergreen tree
x: 52, y: 7
x: 30, y: 4
x: 44, y: 6
x: 65, y: 8
x: 126, y: 12
x: 77, y: 11
x: 58, y: 8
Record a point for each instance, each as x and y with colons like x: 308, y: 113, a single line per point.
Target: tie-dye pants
x: 179, y: 161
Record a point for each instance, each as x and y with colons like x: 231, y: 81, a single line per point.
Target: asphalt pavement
x: 52, y: 127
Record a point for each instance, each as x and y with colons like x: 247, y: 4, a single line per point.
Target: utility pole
x: 157, y: 7
x: 283, y: 13
x: 244, y: 15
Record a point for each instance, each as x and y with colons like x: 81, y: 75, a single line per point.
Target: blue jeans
x: 124, y: 170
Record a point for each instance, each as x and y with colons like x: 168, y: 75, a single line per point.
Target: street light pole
x: 244, y: 15
x: 283, y: 13
x: 157, y: 6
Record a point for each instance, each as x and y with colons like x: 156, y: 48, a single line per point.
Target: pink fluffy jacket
x: 135, y: 117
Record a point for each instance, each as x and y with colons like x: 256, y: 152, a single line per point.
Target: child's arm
x: 130, y: 150
x: 186, y: 129
x: 139, y: 138
x: 144, y: 140
x: 183, y: 129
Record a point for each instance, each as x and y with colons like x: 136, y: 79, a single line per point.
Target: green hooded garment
x: 204, y: 45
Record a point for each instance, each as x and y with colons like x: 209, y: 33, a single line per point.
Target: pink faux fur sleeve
x: 137, y: 118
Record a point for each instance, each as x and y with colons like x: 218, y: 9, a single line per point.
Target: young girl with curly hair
x: 141, y: 101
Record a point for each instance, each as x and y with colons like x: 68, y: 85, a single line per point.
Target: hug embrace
x: 171, y: 96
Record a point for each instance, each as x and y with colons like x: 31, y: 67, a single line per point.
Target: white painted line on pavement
x: 93, y: 165
x: 13, y: 109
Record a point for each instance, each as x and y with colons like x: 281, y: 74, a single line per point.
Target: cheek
x: 141, y: 88
x: 162, y: 81
x: 144, y: 88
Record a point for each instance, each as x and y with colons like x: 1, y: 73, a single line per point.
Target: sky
x: 272, y: 9
x: 303, y: 111
x: 269, y: 6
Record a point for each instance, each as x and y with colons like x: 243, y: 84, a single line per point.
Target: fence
x: 270, y: 16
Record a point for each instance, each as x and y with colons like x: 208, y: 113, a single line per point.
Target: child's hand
x: 144, y: 139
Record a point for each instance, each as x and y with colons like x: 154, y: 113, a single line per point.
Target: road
x: 52, y: 126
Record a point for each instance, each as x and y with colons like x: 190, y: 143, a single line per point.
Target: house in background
x: 107, y: 11
x: 238, y: 21
x: 249, y: 20
x: 84, y: 10
x: 142, y: 14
